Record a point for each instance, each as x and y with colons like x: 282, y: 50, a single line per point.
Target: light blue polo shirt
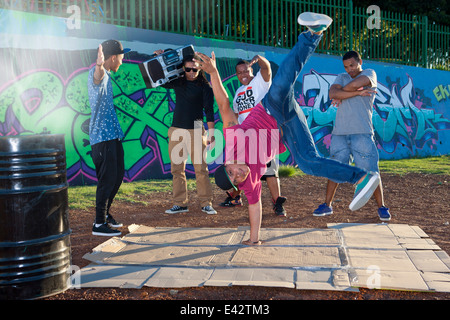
x: 104, y: 124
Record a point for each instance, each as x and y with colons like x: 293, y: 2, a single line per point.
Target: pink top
x: 254, y: 142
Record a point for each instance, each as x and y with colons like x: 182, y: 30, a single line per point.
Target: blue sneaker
x: 323, y: 210
x: 384, y: 214
x: 364, y: 190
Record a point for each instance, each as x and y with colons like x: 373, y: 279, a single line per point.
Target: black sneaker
x: 231, y: 202
x: 177, y: 209
x: 112, y: 222
x: 104, y: 230
x: 278, y: 207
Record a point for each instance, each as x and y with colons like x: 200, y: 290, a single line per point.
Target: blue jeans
x: 281, y: 104
x: 357, y: 148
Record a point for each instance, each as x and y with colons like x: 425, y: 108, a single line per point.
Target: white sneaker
x: 315, y: 22
x: 209, y: 210
x: 364, y: 190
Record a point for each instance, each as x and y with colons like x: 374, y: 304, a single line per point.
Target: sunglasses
x: 190, y: 69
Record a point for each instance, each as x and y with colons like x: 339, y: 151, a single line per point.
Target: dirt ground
x: 414, y: 199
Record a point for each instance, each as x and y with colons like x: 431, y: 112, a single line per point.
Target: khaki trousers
x: 184, y: 143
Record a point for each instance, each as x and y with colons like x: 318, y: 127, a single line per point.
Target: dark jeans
x: 281, y: 104
x: 109, y: 164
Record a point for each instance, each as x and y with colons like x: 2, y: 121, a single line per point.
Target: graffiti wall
x: 43, y: 89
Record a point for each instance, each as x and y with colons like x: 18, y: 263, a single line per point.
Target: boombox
x: 165, y: 67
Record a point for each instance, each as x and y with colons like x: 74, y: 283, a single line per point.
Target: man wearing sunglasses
x: 188, y: 137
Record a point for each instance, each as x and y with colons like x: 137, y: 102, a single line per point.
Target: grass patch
x: 83, y: 197
x: 289, y: 171
x: 430, y: 165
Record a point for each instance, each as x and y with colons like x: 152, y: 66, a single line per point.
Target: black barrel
x: 35, y: 257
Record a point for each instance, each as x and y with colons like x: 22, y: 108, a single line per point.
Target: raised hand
x: 206, y: 63
x: 254, y: 60
x: 100, y: 56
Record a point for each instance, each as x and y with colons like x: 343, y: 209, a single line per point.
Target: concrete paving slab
x: 180, y: 236
x: 323, y: 279
x: 287, y: 256
x: 105, y: 250
x: 265, y: 277
x: 406, y: 231
x: 115, y: 276
x: 439, y: 282
x: 427, y: 261
x: 384, y: 259
x: 297, y: 237
x: 138, y: 254
x: 179, y: 277
x: 342, y: 257
x: 394, y: 280
x: 366, y: 235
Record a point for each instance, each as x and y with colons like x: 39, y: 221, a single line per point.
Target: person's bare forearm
x: 208, y: 65
x: 219, y: 91
x: 264, y: 65
x: 340, y: 94
x: 99, y: 72
x: 254, y: 214
x: 357, y: 83
x: 337, y: 92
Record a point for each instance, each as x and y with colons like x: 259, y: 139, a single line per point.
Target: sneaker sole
x: 309, y: 19
x: 209, y: 212
x: 115, y: 225
x: 175, y: 212
x: 322, y: 214
x: 106, y: 234
x: 385, y: 219
x: 366, y: 193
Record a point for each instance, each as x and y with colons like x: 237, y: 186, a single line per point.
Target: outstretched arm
x: 208, y: 65
x: 99, y: 72
x: 264, y: 64
x: 254, y: 214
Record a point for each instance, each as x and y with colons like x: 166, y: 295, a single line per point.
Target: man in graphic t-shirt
x: 253, y: 89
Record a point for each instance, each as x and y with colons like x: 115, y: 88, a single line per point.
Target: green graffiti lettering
x: 436, y: 92
x: 444, y: 91
x: 441, y: 92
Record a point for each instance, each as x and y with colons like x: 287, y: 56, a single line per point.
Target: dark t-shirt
x: 192, y: 97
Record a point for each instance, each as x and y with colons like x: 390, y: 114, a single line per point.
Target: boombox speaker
x: 165, y: 67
